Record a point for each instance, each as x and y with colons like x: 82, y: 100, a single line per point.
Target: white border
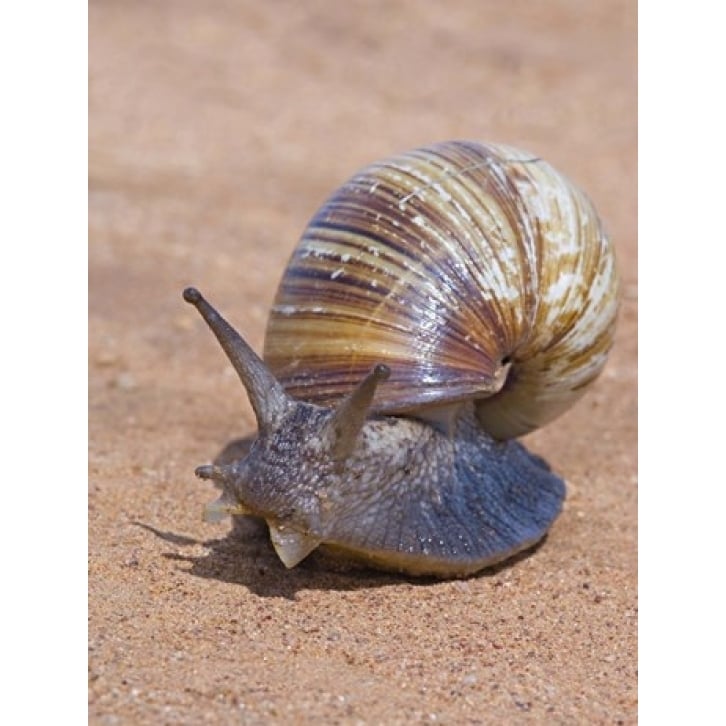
x: 682, y: 436
x: 43, y: 147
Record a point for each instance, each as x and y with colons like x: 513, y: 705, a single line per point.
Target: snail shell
x: 474, y: 271
x: 438, y: 305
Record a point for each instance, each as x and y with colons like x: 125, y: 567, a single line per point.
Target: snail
x: 440, y: 304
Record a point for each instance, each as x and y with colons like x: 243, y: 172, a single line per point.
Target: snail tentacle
x: 267, y: 397
x: 210, y: 471
x: 351, y: 413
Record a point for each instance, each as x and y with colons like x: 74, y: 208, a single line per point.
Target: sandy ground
x: 217, y: 128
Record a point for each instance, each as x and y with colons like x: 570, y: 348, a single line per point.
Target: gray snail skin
x: 440, y: 304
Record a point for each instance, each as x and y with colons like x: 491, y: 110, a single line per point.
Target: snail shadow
x: 246, y: 557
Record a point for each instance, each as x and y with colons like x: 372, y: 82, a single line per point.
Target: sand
x: 217, y: 129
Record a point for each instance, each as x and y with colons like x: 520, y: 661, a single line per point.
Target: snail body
x: 440, y: 304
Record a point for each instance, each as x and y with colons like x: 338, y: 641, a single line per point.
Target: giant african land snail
x: 440, y: 303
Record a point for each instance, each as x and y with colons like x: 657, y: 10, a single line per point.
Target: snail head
x: 295, y: 466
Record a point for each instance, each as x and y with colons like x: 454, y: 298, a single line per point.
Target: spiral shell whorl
x: 449, y: 264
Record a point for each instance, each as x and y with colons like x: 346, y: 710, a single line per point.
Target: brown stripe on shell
x: 442, y: 263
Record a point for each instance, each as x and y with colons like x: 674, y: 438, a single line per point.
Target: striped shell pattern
x: 474, y: 271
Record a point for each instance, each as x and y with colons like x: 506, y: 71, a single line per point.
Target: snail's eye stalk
x: 267, y: 397
x: 352, y: 411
